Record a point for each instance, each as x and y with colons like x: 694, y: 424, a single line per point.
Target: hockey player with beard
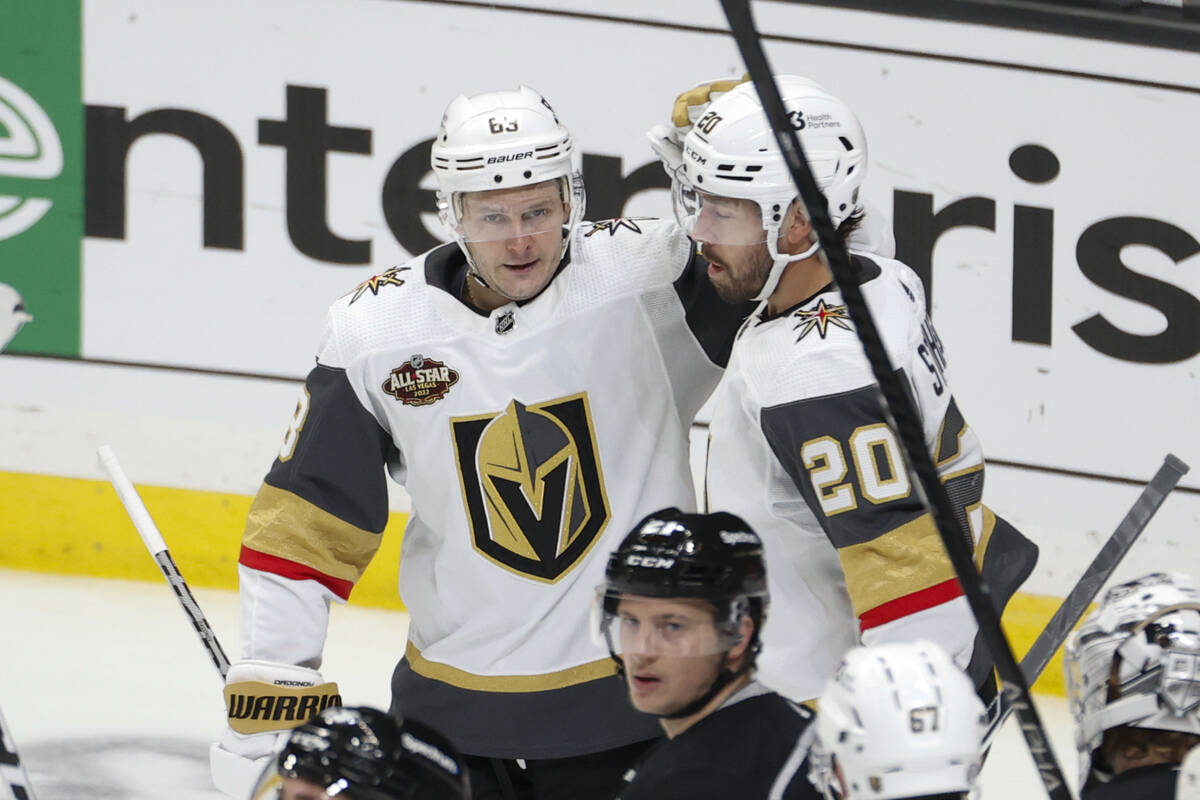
x: 682, y: 607
x: 898, y: 720
x: 1133, y: 686
x: 800, y: 446
x: 532, y: 386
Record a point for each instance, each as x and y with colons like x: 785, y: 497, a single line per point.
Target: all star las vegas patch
x: 420, y: 381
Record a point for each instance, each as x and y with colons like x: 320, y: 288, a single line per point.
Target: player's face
x: 276, y: 787
x: 672, y: 651
x: 515, y: 236
x: 732, y: 239
x: 297, y: 789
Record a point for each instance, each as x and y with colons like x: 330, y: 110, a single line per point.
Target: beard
x: 743, y: 282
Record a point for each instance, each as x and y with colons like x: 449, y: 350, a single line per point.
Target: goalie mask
x: 1135, y: 662
x: 898, y: 720
x: 671, y: 555
x: 497, y: 141
x: 364, y: 754
x: 731, y: 152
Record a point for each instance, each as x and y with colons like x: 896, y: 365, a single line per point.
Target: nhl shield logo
x: 420, y: 381
x: 532, y: 485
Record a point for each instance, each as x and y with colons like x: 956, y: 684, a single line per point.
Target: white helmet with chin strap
x: 1135, y: 662
x: 503, y: 140
x: 731, y: 152
x: 898, y: 720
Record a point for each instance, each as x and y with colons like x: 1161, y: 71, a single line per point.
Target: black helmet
x: 366, y: 754
x: 711, y: 557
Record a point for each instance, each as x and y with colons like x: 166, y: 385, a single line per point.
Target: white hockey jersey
x: 800, y: 449
x: 530, y: 441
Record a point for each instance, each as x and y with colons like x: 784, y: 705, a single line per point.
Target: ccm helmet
x: 1135, y: 661
x: 503, y: 140
x: 731, y: 151
x: 710, y: 557
x: 365, y: 754
x: 900, y: 720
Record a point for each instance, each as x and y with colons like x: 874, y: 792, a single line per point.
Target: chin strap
x: 779, y: 262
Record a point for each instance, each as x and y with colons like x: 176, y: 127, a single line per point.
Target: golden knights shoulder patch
x: 532, y: 485
x: 373, y: 284
x: 420, y: 381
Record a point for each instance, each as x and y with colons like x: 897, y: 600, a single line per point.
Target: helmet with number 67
x: 503, y: 140
x: 898, y: 720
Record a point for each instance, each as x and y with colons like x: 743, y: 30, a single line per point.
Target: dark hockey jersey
x: 752, y: 746
x: 1142, y: 783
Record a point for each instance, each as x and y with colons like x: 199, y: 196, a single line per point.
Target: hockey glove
x: 263, y: 702
x: 667, y: 140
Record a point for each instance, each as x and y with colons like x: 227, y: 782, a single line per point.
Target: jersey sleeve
x: 713, y: 322
x: 847, y: 463
x: 316, y: 521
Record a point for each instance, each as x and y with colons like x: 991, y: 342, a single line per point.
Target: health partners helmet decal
x: 533, y: 487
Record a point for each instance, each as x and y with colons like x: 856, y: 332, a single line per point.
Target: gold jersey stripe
x: 593, y: 670
x: 284, y: 525
x: 985, y: 537
x: 898, y: 563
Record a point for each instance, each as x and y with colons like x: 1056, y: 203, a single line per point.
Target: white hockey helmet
x: 898, y: 720
x: 731, y: 151
x: 1135, y: 661
x: 503, y: 140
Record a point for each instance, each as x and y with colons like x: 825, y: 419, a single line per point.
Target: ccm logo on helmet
x: 653, y: 562
x: 510, y: 157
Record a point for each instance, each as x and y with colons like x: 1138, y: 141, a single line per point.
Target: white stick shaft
x: 132, y: 501
x: 158, y: 549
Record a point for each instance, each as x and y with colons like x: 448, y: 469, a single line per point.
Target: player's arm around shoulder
x: 642, y: 251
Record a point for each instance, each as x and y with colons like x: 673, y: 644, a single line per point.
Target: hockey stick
x: 158, y: 549
x: 14, y: 782
x: 1092, y: 581
x: 958, y: 542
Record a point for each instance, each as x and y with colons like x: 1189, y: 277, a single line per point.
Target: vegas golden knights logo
x: 532, y: 485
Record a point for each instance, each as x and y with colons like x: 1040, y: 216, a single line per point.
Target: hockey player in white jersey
x: 1133, y: 686
x: 799, y: 444
x: 898, y: 720
x: 532, y: 386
